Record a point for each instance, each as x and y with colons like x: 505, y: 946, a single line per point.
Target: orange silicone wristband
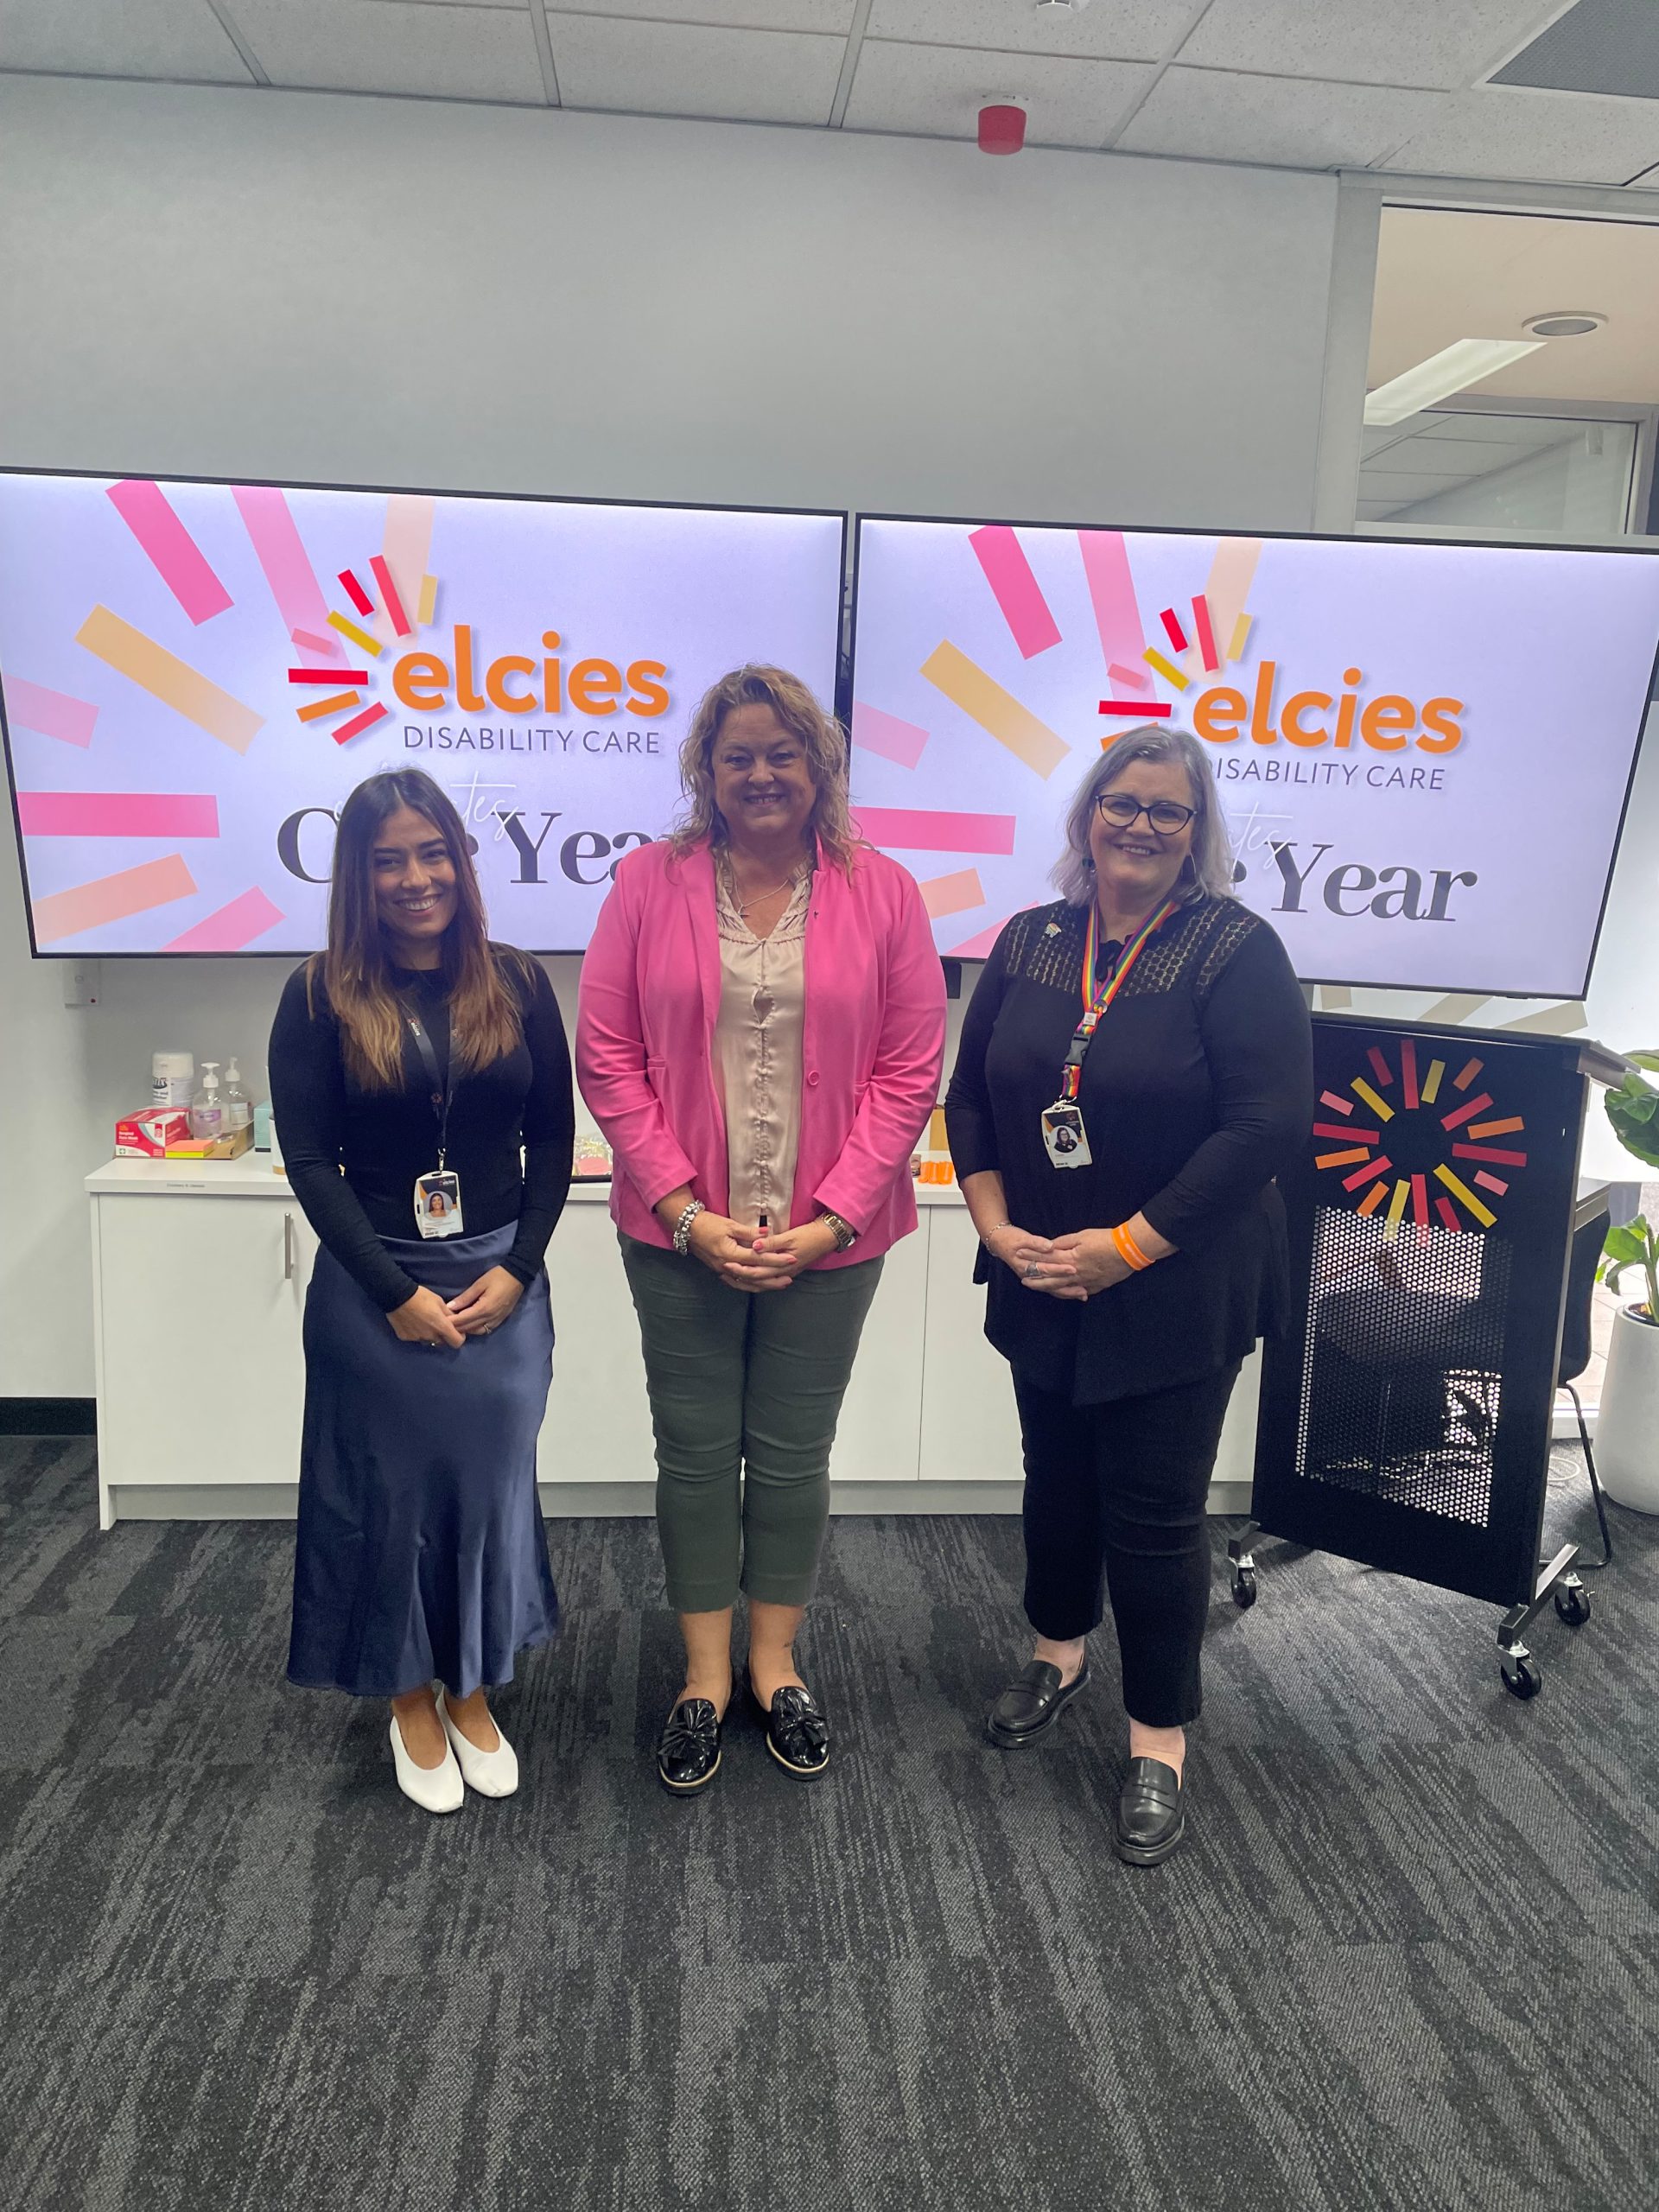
x: 1128, y: 1251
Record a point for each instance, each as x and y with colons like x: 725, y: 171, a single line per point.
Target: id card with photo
x: 1064, y: 1139
x: 437, y: 1204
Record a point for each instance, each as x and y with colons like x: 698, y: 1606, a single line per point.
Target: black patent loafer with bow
x: 798, y: 1735
x: 1151, y: 1817
x: 1032, y: 1703
x: 687, y: 1751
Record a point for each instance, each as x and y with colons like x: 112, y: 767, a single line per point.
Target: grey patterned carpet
x: 1408, y: 1958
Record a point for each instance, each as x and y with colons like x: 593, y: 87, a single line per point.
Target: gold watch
x: 845, y: 1235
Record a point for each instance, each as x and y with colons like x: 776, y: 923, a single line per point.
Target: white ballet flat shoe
x: 434, y: 1788
x: 493, y: 1773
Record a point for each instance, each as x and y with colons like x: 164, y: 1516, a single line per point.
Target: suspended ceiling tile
x: 1442, y: 275
x: 1438, y: 44
x: 1216, y: 115
x: 179, y: 40
x: 1118, y: 30
x: 393, y: 46
x: 936, y: 92
x: 1545, y: 137
x: 1597, y: 46
x: 654, y: 68
x: 836, y: 15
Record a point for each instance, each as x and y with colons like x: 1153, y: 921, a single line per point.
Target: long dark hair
x: 484, y: 1022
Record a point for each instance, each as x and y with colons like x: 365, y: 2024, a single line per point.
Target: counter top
x: 252, y: 1176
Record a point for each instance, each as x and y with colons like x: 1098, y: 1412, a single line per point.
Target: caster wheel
x: 1522, y: 1678
x: 1244, y: 1588
x: 1573, y: 1604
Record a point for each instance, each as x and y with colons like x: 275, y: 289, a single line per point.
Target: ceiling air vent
x: 1601, y: 46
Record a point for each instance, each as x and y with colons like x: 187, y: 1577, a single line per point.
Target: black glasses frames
x: 1164, y: 816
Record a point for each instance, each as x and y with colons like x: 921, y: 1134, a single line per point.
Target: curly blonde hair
x: 821, y: 737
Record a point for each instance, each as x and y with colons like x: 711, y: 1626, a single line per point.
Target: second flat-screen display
x: 195, y: 675
x: 1422, y: 751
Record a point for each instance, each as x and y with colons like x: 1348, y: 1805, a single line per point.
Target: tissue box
x: 147, y: 1135
x: 230, y: 1146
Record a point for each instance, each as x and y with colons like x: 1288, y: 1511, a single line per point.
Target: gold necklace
x: 743, y: 906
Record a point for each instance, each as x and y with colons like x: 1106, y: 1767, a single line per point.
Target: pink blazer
x: 872, y: 1048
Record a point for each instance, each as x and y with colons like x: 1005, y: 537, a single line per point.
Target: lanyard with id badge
x: 1064, y: 1138
x: 437, y: 1193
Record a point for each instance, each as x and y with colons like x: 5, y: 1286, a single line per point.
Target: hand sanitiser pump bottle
x: 239, y: 1108
x: 206, y: 1110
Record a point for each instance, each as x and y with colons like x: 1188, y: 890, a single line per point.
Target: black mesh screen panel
x: 1405, y: 1417
x: 1405, y: 1353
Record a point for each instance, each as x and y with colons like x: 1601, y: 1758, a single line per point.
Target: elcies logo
x: 428, y: 682
x: 1223, y: 713
x: 1388, y: 723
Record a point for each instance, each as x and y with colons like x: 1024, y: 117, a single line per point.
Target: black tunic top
x: 353, y: 1155
x: 1196, y: 1091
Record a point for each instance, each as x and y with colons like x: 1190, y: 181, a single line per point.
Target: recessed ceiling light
x: 1577, y: 324
x: 1061, y: 7
x: 1469, y: 360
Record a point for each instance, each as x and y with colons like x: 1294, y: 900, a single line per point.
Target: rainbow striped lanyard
x: 1097, y: 997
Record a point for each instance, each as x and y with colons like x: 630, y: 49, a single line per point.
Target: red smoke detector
x: 1001, y: 128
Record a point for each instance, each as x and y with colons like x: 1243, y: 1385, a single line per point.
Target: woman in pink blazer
x: 760, y: 1034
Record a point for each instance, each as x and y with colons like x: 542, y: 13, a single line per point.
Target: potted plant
x: 1627, y: 1426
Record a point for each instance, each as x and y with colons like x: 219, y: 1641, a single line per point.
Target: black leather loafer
x: 798, y: 1735
x: 1033, y: 1701
x: 1151, y: 1818
x: 687, y: 1751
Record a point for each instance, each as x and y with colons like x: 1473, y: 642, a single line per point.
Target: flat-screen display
x: 1422, y: 752
x: 194, y: 674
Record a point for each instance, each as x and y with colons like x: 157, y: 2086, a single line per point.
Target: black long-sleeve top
x: 1196, y: 1091
x: 353, y: 1155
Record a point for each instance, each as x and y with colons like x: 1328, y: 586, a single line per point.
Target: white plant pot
x: 1627, y: 1426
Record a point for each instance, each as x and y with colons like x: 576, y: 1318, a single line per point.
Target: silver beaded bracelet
x: 682, y: 1227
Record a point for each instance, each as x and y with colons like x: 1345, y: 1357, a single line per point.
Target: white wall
x: 303, y: 286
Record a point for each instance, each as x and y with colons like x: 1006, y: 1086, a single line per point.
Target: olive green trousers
x: 745, y: 1389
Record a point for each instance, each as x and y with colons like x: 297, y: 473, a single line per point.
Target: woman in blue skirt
x: 409, y: 1064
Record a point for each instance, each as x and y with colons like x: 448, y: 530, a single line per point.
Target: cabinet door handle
x: 287, y: 1248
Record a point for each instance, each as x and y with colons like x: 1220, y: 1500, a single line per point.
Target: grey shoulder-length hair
x: 1209, y: 866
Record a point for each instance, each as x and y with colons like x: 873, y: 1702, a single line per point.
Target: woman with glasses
x: 1135, y: 1068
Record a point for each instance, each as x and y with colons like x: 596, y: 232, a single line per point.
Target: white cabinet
x: 598, y: 1425
x: 200, y: 1275
x: 878, y: 1438
x: 970, y: 1430
x: 200, y: 1375
x: 970, y: 1433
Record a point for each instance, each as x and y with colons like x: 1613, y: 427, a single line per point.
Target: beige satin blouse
x: 757, y: 1050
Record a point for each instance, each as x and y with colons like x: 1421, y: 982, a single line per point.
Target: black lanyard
x: 443, y: 1085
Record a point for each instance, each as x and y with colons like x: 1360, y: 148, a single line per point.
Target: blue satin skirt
x: 420, y: 1554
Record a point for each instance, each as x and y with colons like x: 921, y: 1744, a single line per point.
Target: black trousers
x: 1115, y: 1503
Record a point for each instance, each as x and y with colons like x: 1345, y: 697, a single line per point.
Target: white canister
x: 172, y: 1079
x: 1627, y: 1426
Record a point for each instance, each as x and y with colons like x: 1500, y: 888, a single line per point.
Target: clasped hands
x: 426, y: 1318
x: 1074, y: 1266
x: 757, y: 1259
